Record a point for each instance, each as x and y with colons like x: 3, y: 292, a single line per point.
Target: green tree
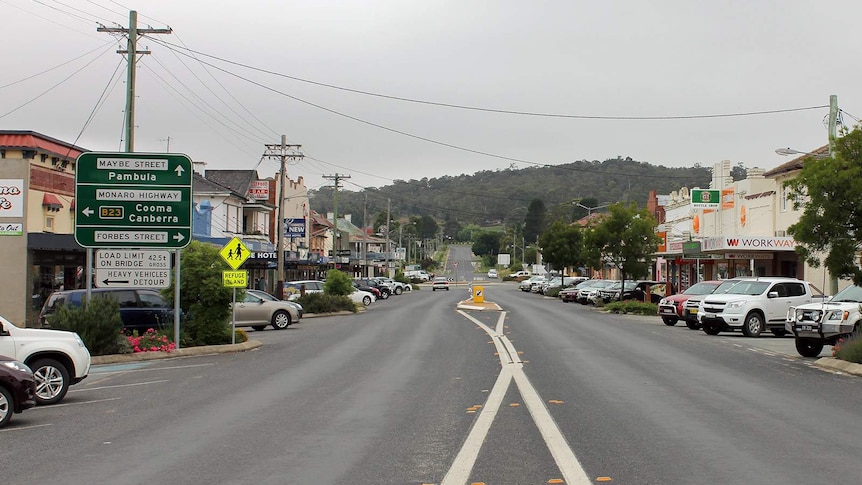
x: 562, y: 245
x: 626, y: 238
x: 338, y: 283
x: 487, y: 243
x: 451, y: 227
x: 469, y: 233
x: 204, y: 299
x: 427, y: 227
x: 831, y: 223
x: 534, y: 223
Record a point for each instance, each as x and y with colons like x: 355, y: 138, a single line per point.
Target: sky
x: 384, y: 90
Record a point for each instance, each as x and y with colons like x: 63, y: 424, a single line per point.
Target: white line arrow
x: 179, y: 237
x: 87, y: 211
x: 179, y: 170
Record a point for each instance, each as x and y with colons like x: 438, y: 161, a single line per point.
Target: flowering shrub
x: 150, y: 341
x: 849, y: 349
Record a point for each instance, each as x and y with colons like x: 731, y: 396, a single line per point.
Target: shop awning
x: 51, y: 201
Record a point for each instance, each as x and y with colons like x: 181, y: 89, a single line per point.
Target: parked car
x: 671, y: 308
x: 611, y: 292
x: 140, y: 308
x: 364, y: 297
x: 440, y: 283
x: 586, y: 290
x: 257, y: 309
x: 754, y: 305
x: 396, y: 286
x: 814, y: 325
x: 362, y: 286
x: 267, y: 296
x: 656, y: 290
x: 520, y: 274
x: 295, y: 289
x: 372, y: 282
x: 527, y: 284
x: 492, y: 273
x: 570, y: 294
x: 58, y: 359
x: 689, y: 313
x: 17, y: 388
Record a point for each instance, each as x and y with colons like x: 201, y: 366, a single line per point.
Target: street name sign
x: 128, y: 268
x: 133, y: 200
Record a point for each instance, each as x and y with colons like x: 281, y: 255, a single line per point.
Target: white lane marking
x: 147, y: 369
x: 67, y: 404
x: 564, y: 457
x: 7, y: 430
x: 85, y: 389
x: 459, y: 472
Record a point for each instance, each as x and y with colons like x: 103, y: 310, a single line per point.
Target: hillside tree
x: 534, y: 222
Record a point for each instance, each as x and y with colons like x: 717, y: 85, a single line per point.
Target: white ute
x: 817, y: 324
x: 58, y: 359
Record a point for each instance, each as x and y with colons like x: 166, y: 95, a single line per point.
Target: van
x: 140, y: 308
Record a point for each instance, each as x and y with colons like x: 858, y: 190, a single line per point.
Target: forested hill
x: 502, y: 196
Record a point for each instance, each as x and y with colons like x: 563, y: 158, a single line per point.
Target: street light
x: 590, y: 209
x: 789, y: 151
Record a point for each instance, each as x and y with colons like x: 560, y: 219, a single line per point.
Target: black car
x: 383, y: 289
x: 17, y: 388
x: 140, y: 308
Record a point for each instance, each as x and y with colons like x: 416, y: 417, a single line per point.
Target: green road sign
x: 133, y: 200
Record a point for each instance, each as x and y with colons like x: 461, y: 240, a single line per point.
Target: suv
x: 140, y: 308
x: 689, y: 311
x: 816, y: 324
x: 295, y: 289
x: 753, y: 305
x: 58, y: 359
x: 385, y: 290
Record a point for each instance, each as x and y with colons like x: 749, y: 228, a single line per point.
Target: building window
x: 49, y: 224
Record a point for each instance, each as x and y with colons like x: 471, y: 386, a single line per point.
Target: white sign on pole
x: 133, y: 268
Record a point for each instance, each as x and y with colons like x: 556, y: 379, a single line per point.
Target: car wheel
x: 692, y: 324
x: 711, y: 328
x: 778, y: 332
x: 447, y: 288
x: 808, y: 347
x: 384, y: 295
x: 7, y: 406
x: 753, y: 325
x: 433, y: 289
x: 366, y: 300
x: 669, y: 321
x: 398, y: 290
x: 52, y: 381
x: 258, y: 328
x: 280, y: 320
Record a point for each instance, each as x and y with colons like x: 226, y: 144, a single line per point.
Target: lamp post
x: 590, y: 209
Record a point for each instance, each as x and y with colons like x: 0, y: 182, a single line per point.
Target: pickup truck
x: 754, y: 305
x: 816, y: 324
x: 58, y: 358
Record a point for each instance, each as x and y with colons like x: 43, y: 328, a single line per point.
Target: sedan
x: 364, y: 297
x: 259, y: 309
x: 17, y: 388
x: 440, y: 283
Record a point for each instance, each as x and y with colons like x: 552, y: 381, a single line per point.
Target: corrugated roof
x: 32, y: 139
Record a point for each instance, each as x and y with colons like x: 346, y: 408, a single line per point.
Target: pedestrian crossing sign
x: 235, y: 253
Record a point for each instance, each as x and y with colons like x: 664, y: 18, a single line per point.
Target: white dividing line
x: 9, y: 430
x: 513, y: 368
x: 85, y: 389
x: 67, y: 404
x: 146, y: 369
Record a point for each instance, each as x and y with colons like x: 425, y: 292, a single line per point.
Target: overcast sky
x: 208, y: 92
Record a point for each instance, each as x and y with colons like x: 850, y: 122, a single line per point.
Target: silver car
x: 259, y: 309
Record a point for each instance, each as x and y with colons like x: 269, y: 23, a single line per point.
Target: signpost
x: 133, y: 200
x: 234, y: 253
x: 127, y: 268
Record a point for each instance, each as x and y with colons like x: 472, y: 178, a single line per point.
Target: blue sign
x: 294, y: 227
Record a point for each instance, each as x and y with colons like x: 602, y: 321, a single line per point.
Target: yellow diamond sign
x: 235, y: 253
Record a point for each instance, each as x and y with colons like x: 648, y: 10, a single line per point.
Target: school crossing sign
x: 133, y: 200
x: 235, y: 253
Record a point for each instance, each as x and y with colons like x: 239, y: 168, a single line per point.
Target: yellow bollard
x: 478, y: 294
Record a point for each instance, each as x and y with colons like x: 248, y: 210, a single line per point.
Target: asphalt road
x: 414, y: 391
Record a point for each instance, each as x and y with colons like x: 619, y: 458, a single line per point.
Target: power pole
x: 389, y: 271
x: 833, y: 135
x: 283, y: 152
x: 336, y: 180
x: 132, y: 58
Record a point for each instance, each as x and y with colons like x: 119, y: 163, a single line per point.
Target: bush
x: 849, y: 349
x: 326, y: 303
x: 553, y: 292
x: 632, y: 307
x: 337, y: 283
x: 97, y: 322
x: 150, y: 341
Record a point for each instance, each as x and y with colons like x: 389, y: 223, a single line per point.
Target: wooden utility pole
x: 283, y: 152
x: 336, y: 184
x: 131, y: 52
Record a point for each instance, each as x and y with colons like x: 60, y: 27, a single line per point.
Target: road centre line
x: 67, y: 404
x: 513, y: 368
x: 17, y: 428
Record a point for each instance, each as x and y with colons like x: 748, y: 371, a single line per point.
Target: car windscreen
x: 701, y: 288
x: 748, y: 288
x: 850, y: 294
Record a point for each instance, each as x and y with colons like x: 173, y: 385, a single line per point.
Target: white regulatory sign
x: 133, y: 268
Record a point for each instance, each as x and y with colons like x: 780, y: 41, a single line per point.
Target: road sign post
x: 133, y: 200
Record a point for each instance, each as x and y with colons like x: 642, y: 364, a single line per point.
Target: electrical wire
x: 52, y: 87
x: 55, y: 67
x: 851, y: 116
x: 98, y: 104
x: 51, y: 21
x: 504, y: 111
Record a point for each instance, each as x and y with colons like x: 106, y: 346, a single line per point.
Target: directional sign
x: 235, y: 253
x: 135, y: 200
x: 125, y: 268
